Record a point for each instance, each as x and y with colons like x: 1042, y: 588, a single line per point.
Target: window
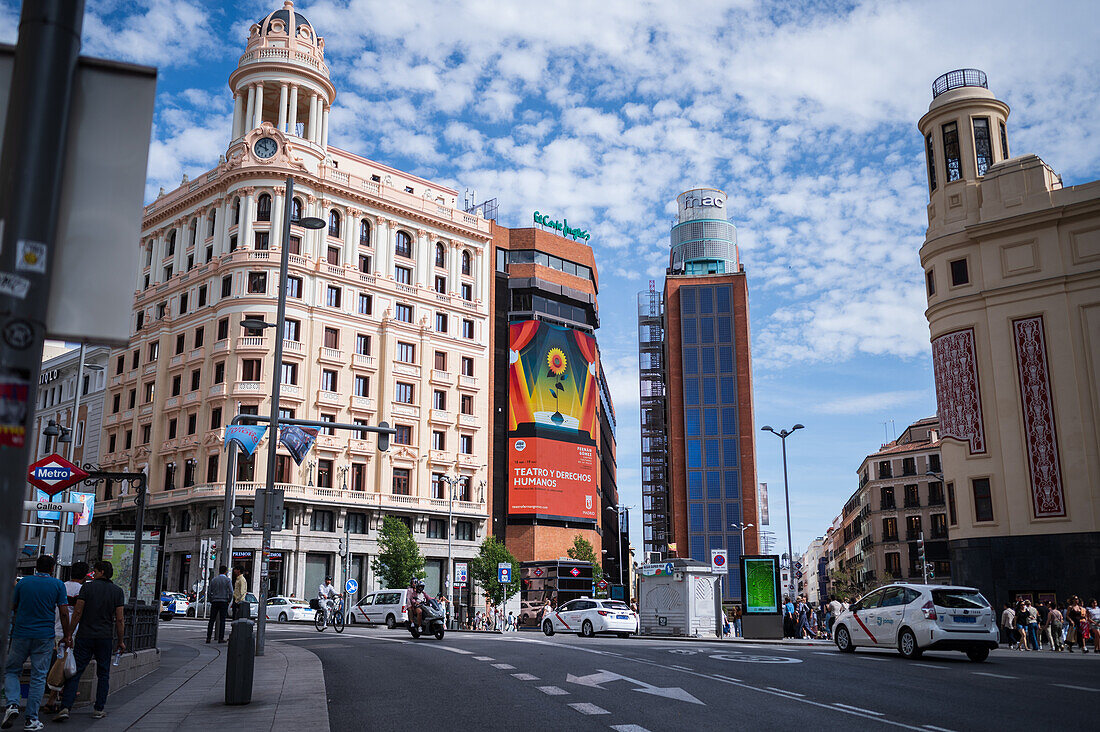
x: 960, y: 274
x: 216, y: 418
x: 467, y: 328
x: 212, y: 518
x: 362, y: 386
x: 290, y: 373
x: 887, y: 495
x: 401, y: 481
x: 1004, y: 142
x: 931, y: 162
x: 146, y: 432
x: 321, y: 521
x: 440, y: 255
x: 116, y: 403
x: 334, y: 223
x: 292, y: 330
x: 951, y: 504
x: 150, y: 391
x: 172, y: 423
x: 440, y: 361
x: 406, y: 352
x: 171, y: 244
x: 253, y: 332
x: 885, y: 470
x: 893, y: 564
x: 154, y: 351
x: 332, y: 256
x: 324, y: 473
x: 362, y: 344
x: 223, y: 329
x: 912, y: 496
x: 466, y: 263
x: 403, y: 393
x: 196, y: 376
x: 200, y: 336
x: 439, y: 442
x: 939, y: 526
x: 227, y: 286
x: 133, y: 398
x: 296, y: 210
x: 441, y: 285
x: 262, y: 241
x: 403, y: 435
x: 934, y: 462
x: 912, y: 528
x: 935, y: 493
x: 466, y: 444
x: 233, y: 243
x: 403, y: 312
x: 464, y: 530
x: 467, y: 366
x: 983, y: 145
x: 951, y: 151
x: 467, y: 291
x: 357, y: 523
x: 295, y: 245
x: 180, y: 343
x: 439, y: 400
x: 257, y: 283
x: 120, y: 364
x: 111, y: 440
x: 328, y: 380
x: 437, y: 529
x: 219, y: 372
x: 908, y: 466
x: 402, y: 247
x: 402, y: 275
x: 183, y: 303
x: 358, y: 477
x: 332, y: 297
x: 139, y: 323
x: 364, y: 263
x: 294, y: 287
x: 366, y: 303
x: 889, y: 529
x: 332, y: 337
x: 930, y: 282
x: 364, y: 233
x: 441, y: 322
x: 250, y: 369
x: 983, y: 499
x: 467, y: 404
x: 192, y: 423
x: 129, y: 441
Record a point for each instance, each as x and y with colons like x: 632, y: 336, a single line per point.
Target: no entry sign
x: 54, y: 474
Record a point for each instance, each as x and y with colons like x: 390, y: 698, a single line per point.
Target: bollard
x: 240, y: 662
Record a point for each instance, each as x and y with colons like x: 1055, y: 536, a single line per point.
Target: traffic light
x: 236, y: 520
x: 931, y: 570
x: 384, y: 437
x: 920, y: 548
x: 343, y: 548
x: 213, y: 553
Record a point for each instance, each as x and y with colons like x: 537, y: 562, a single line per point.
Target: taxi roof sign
x: 54, y: 474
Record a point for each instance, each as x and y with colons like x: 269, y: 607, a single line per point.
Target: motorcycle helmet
x: 420, y: 585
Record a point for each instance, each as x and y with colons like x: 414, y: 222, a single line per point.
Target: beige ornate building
x: 387, y: 319
x: 1012, y: 265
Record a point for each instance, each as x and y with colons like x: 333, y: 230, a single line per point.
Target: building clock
x: 265, y: 148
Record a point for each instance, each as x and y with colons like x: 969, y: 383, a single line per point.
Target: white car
x: 285, y: 609
x: 180, y: 602
x: 918, y: 618
x: 382, y: 607
x: 588, y: 617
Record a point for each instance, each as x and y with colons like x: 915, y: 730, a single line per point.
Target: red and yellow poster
x: 552, y: 422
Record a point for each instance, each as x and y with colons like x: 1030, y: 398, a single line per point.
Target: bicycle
x: 326, y: 616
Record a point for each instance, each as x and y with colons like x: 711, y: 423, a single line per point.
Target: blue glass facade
x: 713, y: 459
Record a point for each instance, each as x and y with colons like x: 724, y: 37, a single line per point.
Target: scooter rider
x: 416, y: 597
x: 328, y: 594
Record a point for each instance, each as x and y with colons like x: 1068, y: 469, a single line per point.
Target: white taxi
x: 588, y: 617
x: 285, y: 609
x: 917, y: 618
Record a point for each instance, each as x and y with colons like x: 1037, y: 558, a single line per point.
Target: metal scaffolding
x: 651, y: 368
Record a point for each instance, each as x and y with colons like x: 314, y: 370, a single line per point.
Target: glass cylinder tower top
x: 703, y: 240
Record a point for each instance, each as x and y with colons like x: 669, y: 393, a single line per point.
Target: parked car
x: 381, y: 607
x: 917, y: 618
x: 203, y: 607
x: 285, y: 609
x: 588, y: 617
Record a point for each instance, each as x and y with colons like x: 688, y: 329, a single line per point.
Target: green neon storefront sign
x: 563, y: 226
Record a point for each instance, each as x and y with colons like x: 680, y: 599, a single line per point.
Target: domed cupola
x: 282, y: 79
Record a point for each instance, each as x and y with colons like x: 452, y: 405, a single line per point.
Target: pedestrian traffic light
x: 236, y: 520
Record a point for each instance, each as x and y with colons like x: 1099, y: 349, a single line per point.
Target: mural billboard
x: 552, y: 422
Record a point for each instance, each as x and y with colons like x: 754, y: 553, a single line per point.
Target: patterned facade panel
x: 1047, y: 497
x: 958, y: 397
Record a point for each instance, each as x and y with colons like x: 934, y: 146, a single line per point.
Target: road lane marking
x: 934, y: 728
x: 484, y: 658
x: 784, y: 691
x: 628, y: 728
x: 453, y: 650
x: 857, y: 709
x: 590, y: 709
x: 503, y: 666
x: 682, y: 668
x: 526, y: 677
x: 872, y: 658
x: 727, y: 678
x: 553, y: 690
x: 1078, y: 688
x: 603, y: 676
x: 994, y: 676
x: 823, y: 653
x: 928, y: 665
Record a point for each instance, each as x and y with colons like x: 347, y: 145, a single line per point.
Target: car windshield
x: 615, y: 605
x: 971, y: 599
x: 296, y: 601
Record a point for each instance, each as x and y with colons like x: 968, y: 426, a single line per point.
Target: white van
x: 383, y: 606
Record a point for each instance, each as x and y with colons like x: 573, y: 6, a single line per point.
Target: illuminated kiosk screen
x: 552, y: 422
x: 761, y: 584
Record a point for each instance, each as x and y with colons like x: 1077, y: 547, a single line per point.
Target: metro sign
x: 575, y: 572
x: 54, y: 474
x: 602, y: 584
x: 538, y: 571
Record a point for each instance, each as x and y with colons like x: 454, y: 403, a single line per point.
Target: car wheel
x: 548, y: 628
x: 391, y: 623
x: 844, y: 640
x: 282, y: 617
x: 190, y: 612
x: 977, y: 655
x: 907, y: 644
x: 624, y: 635
x: 586, y: 629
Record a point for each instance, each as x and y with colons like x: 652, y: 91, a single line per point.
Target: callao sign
x: 562, y: 226
x: 54, y: 474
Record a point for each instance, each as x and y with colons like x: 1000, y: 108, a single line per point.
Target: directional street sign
x: 54, y: 506
x: 460, y: 573
x: 54, y: 474
x: 351, y: 586
x: 575, y: 572
x: 504, y: 573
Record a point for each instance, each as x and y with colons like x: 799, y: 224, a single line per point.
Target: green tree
x: 845, y: 582
x: 484, y: 570
x: 399, y: 558
x: 582, y: 551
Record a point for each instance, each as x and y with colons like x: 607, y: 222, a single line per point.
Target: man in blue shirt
x: 32, y: 636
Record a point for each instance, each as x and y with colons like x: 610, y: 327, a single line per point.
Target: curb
x: 735, y: 641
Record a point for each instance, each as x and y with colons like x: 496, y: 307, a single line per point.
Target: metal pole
x: 273, y: 430
x: 625, y: 513
x: 226, y: 547
x: 923, y: 558
x: 135, y: 570
x: 450, y: 558
x: 74, y: 424
x: 31, y: 170
x: 787, y: 504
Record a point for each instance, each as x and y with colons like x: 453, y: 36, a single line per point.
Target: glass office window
x: 707, y: 361
x: 695, y: 454
x: 710, y: 421
x: 725, y: 359
x: 725, y: 330
x: 691, y: 422
x: 710, y: 391
x: 687, y: 300
x: 724, y: 294
x: 729, y: 419
x: 729, y: 390
x: 706, y: 330
x: 695, y: 517
x: 729, y: 451
x: 691, y: 391
x: 706, y: 300
x: 714, y: 485
x: 714, y: 458
x: 733, y: 488
x: 714, y: 517
x: 691, y: 361
x: 688, y: 331
x: 698, y: 549
x: 695, y: 486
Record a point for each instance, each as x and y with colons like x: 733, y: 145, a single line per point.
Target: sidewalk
x: 188, y: 692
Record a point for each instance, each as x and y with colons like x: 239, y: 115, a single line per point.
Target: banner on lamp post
x: 298, y: 440
x: 246, y: 436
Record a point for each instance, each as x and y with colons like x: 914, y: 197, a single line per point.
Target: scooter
x: 432, y: 622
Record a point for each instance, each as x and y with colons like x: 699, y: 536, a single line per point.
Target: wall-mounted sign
x: 562, y: 226
x: 47, y: 376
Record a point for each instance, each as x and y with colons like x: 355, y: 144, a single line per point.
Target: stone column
x: 454, y: 267
x: 259, y: 105
x: 314, y: 121
x: 324, y: 126
x: 351, y: 238
x: 221, y: 241
x: 275, y: 237
x: 292, y: 121
x: 425, y: 258
x: 382, y: 248
x: 250, y: 110
x: 244, y: 228
x: 238, y: 114
x: 282, y: 107
x: 479, y: 269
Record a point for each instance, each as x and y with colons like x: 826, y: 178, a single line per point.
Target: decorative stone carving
x: 1042, y: 441
x: 957, y: 392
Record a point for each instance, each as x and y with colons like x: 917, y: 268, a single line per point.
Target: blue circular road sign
x: 351, y: 586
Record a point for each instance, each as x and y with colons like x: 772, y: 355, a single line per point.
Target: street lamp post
x: 783, y: 435
x: 620, y: 512
x: 451, y: 482
x: 742, y: 528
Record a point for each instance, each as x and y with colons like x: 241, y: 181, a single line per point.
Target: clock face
x: 265, y: 147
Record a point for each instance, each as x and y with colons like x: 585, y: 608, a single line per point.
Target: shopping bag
x: 55, y: 679
x: 70, y: 663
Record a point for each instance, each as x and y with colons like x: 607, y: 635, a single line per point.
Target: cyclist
x: 416, y: 597
x: 328, y: 595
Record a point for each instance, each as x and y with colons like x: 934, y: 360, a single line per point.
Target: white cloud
x: 875, y: 404
x: 163, y: 33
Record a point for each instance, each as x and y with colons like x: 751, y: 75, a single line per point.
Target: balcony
x: 441, y: 416
x: 332, y: 355
x: 364, y: 361
x: 110, y: 419
x: 248, y: 388
x: 116, y: 380
x: 405, y: 410
x: 216, y: 390
x: 889, y: 537
x: 441, y: 377
x: 252, y: 343
x: 151, y: 368
x: 291, y: 391
x: 467, y: 382
x: 196, y: 354
x: 470, y: 461
x: 175, y: 360
x: 912, y: 535
x: 368, y: 279
x: 407, y: 369
x: 363, y: 403
x: 469, y: 420
x: 145, y: 410
x: 912, y: 503
x: 329, y: 397
x: 293, y: 347
x: 171, y: 402
x: 221, y: 345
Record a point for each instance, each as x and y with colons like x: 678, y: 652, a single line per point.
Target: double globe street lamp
x: 783, y: 435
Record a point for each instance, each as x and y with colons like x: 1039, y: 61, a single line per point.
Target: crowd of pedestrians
x: 1054, y: 626
x: 803, y: 619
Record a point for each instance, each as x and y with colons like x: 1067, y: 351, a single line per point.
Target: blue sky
x: 803, y: 112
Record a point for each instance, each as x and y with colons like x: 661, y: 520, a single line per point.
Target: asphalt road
x: 381, y: 679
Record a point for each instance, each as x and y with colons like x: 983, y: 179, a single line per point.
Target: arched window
x: 213, y: 221
x: 296, y: 210
x: 440, y: 255
x: 236, y: 212
x: 403, y: 247
x: 364, y: 233
x: 334, y: 223
x: 263, y: 207
x: 465, y: 262
x: 193, y: 232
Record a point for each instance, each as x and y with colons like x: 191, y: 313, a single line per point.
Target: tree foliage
x: 483, y: 569
x: 582, y: 551
x: 846, y: 583
x: 399, y: 558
